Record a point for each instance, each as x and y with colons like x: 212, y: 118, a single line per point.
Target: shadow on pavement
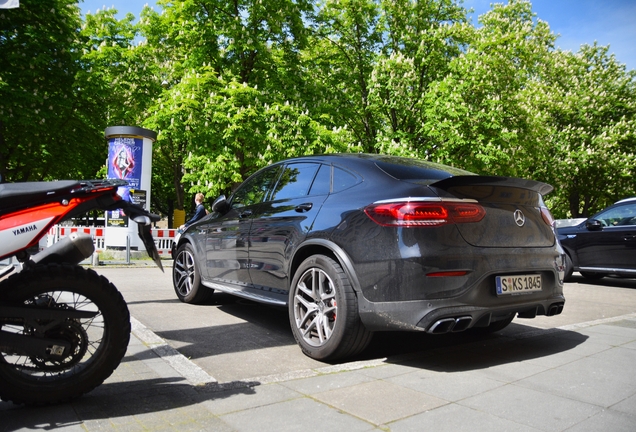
x: 489, y: 352
x: 120, y: 400
x: 268, y: 327
x: 610, y: 281
x: 509, y: 345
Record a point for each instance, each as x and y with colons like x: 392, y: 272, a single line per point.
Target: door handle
x: 304, y: 207
x: 245, y: 214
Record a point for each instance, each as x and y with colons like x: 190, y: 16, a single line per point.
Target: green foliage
x: 481, y: 114
x: 244, y: 133
x: 231, y: 103
x: 591, y: 117
x: 115, y: 72
x: 45, y: 132
x: 345, y: 42
x: 422, y: 38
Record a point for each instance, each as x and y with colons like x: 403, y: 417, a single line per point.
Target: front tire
x: 186, y: 277
x: 323, y: 311
x: 569, y: 268
x: 97, y: 344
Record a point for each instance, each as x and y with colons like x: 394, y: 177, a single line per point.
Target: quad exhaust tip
x: 450, y: 325
x: 555, y: 309
x: 457, y: 324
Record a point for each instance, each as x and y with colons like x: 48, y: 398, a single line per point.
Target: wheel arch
x: 571, y: 253
x: 184, y: 239
x: 328, y: 248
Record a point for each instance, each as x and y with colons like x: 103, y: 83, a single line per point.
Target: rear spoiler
x: 463, y: 181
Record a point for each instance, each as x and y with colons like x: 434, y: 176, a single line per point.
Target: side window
x: 343, y: 179
x: 322, y: 182
x: 619, y: 216
x: 295, y: 181
x: 255, y: 189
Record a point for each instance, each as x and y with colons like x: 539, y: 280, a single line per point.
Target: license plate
x: 518, y: 284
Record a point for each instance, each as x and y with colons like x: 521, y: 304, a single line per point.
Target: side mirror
x: 220, y: 205
x: 594, y: 225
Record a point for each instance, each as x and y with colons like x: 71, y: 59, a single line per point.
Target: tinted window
x: 295, y: 181
x: 343, y: 179
x: 618, y: 216
x: 322, y: 182
x: 256, y: 188
x: 418, y: 170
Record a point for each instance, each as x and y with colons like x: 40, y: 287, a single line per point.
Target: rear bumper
x: 407, y: 299
x: 446, y: 316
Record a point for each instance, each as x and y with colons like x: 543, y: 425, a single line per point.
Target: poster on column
x: 124, y: 162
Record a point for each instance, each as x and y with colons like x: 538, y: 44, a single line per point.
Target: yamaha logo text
x: 25, y: 230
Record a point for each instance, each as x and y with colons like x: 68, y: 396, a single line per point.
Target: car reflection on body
x: 604, y: 244
x: 352, y: 244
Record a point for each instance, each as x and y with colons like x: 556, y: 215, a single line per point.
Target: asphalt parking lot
x: 234, y: 365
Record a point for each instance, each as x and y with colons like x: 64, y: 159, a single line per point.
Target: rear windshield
x: 418, y: 171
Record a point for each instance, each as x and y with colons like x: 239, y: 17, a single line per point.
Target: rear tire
x: 186, y: 277
x: 323, y: 311
x: 97, y: 344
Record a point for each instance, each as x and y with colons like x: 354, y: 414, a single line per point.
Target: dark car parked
x: 353, y: 243
x: 604, y: 244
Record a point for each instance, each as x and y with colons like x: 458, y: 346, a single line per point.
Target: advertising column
x: 130, y: 159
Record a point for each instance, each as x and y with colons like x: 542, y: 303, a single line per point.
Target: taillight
x: 547, y: 216
x: 424, y: 214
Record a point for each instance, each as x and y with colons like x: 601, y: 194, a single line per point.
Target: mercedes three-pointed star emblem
x: 520, y: 218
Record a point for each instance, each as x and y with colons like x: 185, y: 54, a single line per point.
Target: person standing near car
x: 199, y: 212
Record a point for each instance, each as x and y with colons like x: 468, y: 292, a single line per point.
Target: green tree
x: 230, y: 69
x: 481, y: 115
x: 122, y: 79
x: 109, y: 66
x: 246, y: 133
x: 421, y: 39
x: 346, y: 40
x: 46, y: 132
x: 590, y: 100
x: 372, y: 62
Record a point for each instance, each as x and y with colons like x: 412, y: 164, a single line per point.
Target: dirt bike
x: 63, y: 328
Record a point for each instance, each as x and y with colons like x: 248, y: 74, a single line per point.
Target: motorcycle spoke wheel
x: 85, y: 336
x: 89, y: 349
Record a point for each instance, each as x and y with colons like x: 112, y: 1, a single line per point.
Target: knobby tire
x: 33, y: 387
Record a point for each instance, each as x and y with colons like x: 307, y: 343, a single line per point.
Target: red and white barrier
x: 163, y: 237
x: 58, y: 232
x: 163, y: 240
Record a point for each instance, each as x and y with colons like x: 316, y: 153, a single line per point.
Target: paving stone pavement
x: 574, y: 378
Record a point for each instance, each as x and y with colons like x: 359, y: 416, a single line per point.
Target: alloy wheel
x: 184, y: 272
x: 315, y: 306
